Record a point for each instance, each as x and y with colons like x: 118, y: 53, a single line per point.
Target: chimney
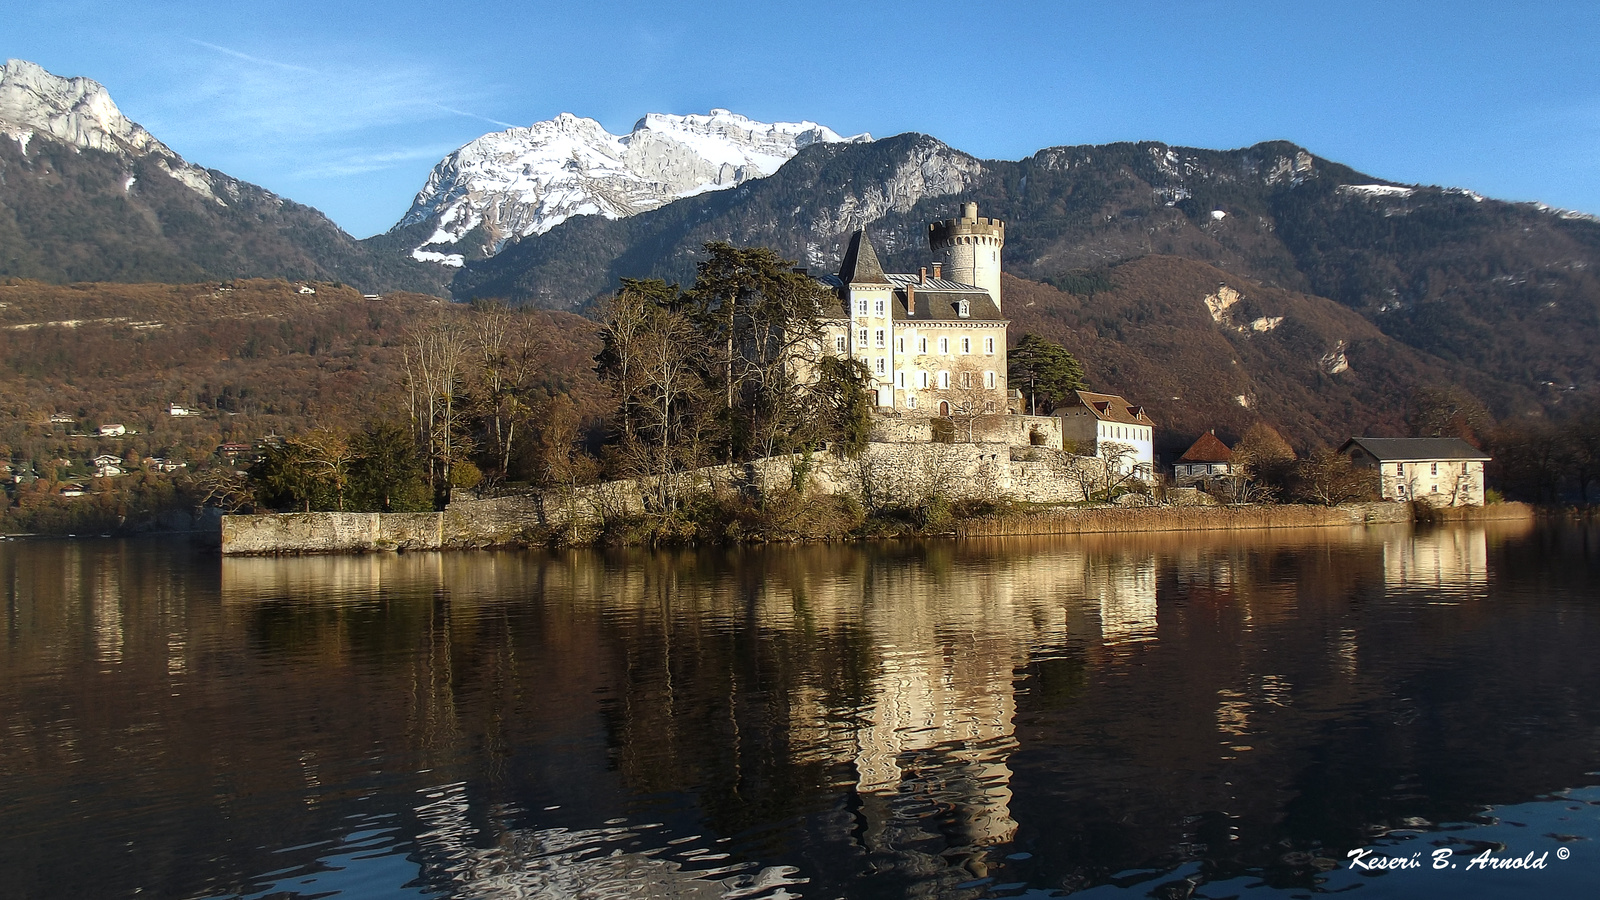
x: 922, y: 276
x: 936, y: 268
x: 911, y: 300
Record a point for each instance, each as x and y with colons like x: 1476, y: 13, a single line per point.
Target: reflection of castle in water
x: 942, y: 639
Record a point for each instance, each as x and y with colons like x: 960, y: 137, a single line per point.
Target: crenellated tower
x: 971, y: 248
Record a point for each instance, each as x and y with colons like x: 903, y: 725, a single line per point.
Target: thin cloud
x: 469, y: 115
x: 248, y: 58
x: 361, y: 163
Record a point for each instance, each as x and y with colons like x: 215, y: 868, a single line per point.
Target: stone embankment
x: 885, y: 475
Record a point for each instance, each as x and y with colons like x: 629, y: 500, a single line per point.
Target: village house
x: 1206, y: 459
x: 1438, y: 471
x: 113, y: 430
x: 935, y: 344
x: 178, y: 412
x: 107, y: 465
x: 61, y: 419
x: 1109, y: 428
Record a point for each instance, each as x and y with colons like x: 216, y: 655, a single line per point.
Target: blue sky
x: 345, y: 106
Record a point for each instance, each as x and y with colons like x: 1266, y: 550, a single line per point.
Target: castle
x: 934, y: 345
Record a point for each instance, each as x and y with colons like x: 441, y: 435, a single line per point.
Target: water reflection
x: 902, y: 720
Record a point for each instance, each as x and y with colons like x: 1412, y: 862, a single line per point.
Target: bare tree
x: 327, y: 453
x: 1330, y: 478
x: 435, y: 360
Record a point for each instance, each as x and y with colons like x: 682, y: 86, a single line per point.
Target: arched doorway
x: 944, y: 407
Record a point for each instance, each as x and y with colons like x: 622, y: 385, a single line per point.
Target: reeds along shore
x: 1095, y: 521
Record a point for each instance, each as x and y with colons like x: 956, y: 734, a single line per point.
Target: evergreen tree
x: 1046, y: 368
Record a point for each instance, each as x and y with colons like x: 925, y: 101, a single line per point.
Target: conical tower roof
x: 860, y: 264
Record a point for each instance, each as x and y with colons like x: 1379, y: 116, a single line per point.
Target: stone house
x: 1109, y: 428
x: 1438, y: 471
x: 935, y: 344
x: 1206, y: 459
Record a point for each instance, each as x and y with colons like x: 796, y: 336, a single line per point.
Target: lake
x: 1179, y: 715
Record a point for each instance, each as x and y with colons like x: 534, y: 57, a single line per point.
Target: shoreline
x: 281, y: 534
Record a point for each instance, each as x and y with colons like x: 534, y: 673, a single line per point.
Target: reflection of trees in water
x: 919, y: 709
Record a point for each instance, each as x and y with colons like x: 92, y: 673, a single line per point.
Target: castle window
x: 944, y: 346
x: 861, y: 337
x: 966, y: 379
x: 1435, y: 469
x: 988, y: 345
x: 964, y: 309
x: 911, y: 401
x: 900, y: 345
x: 944, y: 380
x: 988, y: 406
x: 922, y: 345
x: 988, y: 379
x: 902, y: 379
x: 877, y: 307
x: 878, y: 337
x: 861, y: 307
x: 838, y: 343
x: 966, y: 345
x: 883, y: 365
x: 922, y: 379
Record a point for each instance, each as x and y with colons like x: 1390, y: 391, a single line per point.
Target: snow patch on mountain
x: 1377, y: 190
x: 526, y: 181
x: 79, y: 112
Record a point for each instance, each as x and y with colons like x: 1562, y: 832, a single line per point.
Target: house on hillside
x: 1108, y: 427
x: 113, y: 430
x: 1438, y: 471
x: 179, y: 412
x: 107, y: 465
x: 61, y: 419
x: 935, y: 344
x: 1206, y: 459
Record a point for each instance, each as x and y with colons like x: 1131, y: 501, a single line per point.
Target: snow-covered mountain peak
x: 75, y: 111
x: 525, y: 181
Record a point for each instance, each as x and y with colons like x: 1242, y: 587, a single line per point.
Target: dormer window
x: 964, y: 309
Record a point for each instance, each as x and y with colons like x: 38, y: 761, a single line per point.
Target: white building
x: 934, y: 345
x: 1439, y: 471
x: 1110, y: 428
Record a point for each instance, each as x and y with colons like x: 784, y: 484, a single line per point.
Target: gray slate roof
x: 1416, y: 449
x: 860, y: 264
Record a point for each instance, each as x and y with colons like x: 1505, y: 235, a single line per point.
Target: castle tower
x: 971, y: 248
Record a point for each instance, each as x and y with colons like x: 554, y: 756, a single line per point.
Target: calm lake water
x: 1170, y: 716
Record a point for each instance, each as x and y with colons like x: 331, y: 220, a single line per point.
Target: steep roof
x: 1416, y: 449
x: 1110, y: 408
x: 1208, y: 449
x: 860, y: 264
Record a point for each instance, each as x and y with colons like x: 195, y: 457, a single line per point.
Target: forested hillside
x: 69, y: 214
x: 248, y: 358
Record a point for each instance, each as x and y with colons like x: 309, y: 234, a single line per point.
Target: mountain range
x: 1218, y: 286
